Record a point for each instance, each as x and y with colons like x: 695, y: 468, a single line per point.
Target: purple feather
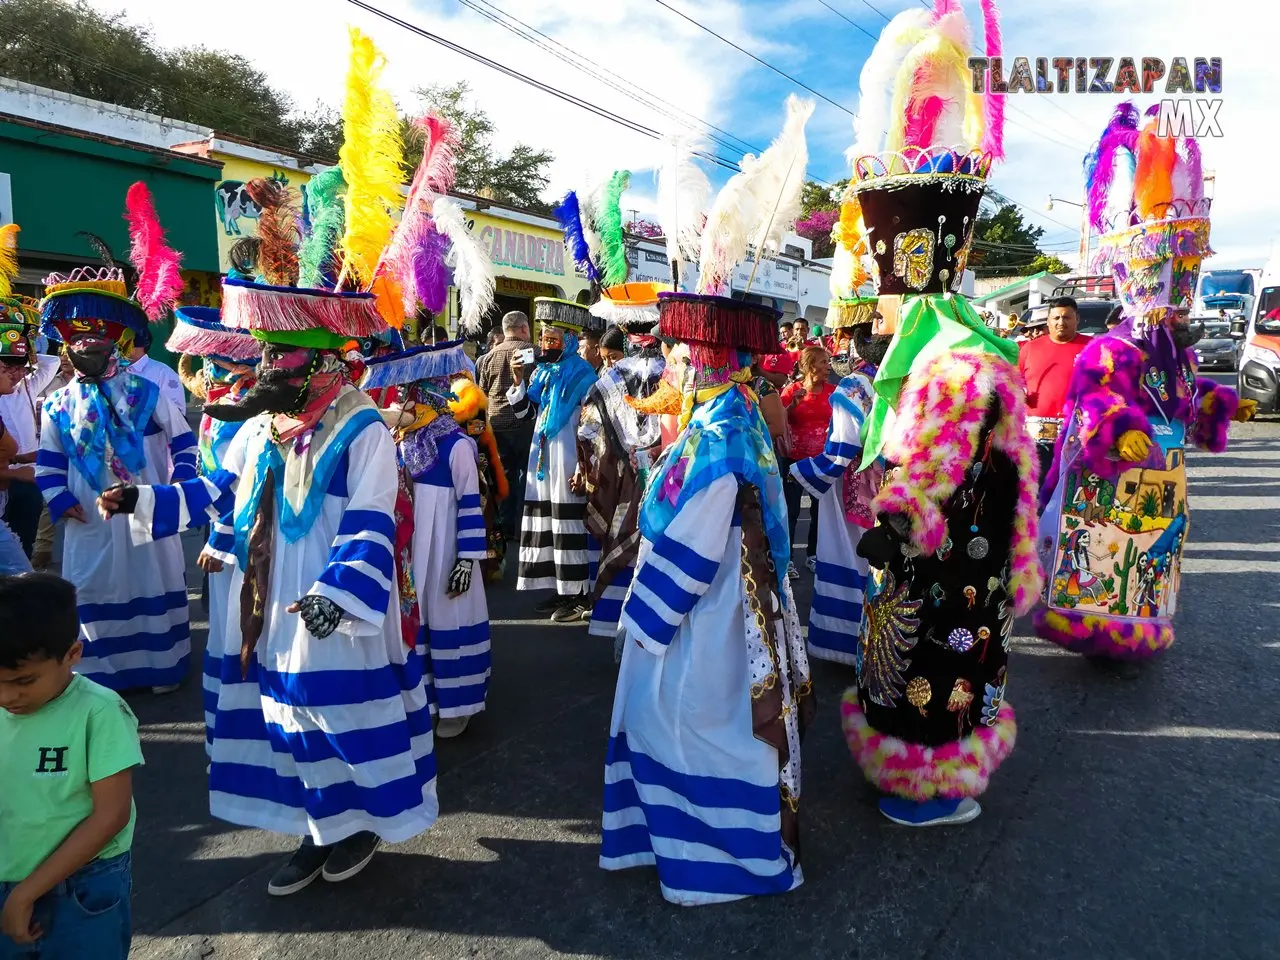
x: 430, y: 275
x: 569, y: 214
x: 1121, y: 133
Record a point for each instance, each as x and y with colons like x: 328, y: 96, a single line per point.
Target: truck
x: 1259, y: 376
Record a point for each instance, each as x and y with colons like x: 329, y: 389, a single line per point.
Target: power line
x: 856, y: 26
x: 602, y: 73
x: 763, y: 63
x: 881, y: 12
x: 516, y: 75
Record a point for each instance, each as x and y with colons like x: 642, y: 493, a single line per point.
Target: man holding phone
x: 496, y: 373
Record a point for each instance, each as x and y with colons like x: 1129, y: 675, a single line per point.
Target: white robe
x: 448, y: 525
x: 840, y: 575
x: 132, y: 598
x: 688, y: 787
x: 554, y: 549
x: 321, y: 737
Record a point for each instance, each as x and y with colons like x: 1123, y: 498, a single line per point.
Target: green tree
x: 518, y: 178
x: 319, y: 132
x: 1047, y: 263
x: 1004, y: 244
x: 224, y: 91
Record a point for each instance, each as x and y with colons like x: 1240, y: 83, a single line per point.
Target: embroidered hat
x: 847, y: 312
x: 565, y: 315
x: 431, y: 362
x: 199, y: 332
x: 1146, y: 196
x: 632, y: 307
x: 710, y: 321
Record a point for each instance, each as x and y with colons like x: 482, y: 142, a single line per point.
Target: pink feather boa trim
x: 953, y: 770
x: 1098, y: 636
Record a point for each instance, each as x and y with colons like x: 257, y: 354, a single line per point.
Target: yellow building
x: 233, y: 213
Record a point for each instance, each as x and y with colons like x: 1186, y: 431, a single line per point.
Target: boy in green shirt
x: 67, y: 750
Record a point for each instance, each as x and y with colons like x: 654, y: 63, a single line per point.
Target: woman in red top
x: 808, y: 405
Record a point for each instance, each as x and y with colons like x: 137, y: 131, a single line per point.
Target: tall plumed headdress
x: 19, y: 315
x: 924, y: 146
x: 199, y: 332
x: 97, y: 298
x: 1146, y: 196
x: 632, y: 307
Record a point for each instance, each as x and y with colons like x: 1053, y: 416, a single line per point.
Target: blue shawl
x: 558, y: 389
x: 87, y: 415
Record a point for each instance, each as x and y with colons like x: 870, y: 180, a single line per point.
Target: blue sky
x: 654, y: 49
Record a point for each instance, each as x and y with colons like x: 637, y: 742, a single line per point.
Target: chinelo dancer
x: 617, y: 445
x: 953, y: 551
x: 554, y: 553
x: 844, y: 495
x: 448, y: 538
x: 110, y: 426
x: 702, y: 774
x: 228, y: 361
x: 1116, y: 516
x: 323, y: 725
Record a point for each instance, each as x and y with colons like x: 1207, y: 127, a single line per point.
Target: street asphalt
x: 1136, y: 818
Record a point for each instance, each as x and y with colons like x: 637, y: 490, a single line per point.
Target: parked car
x: 1260, y: 360
x: 1217, y: 349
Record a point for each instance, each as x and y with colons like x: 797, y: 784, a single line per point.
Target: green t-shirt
x: 48, y: 759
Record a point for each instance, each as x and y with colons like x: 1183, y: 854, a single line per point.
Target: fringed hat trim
x: 719, y: 322
x: 197, y: 332
x: 65, y: 307
x: 419, y: 363
x: 258, y: 306
x: 564, y: 314
x: 850, y: 312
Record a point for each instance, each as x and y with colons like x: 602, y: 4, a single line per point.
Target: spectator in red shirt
x: 808, y: 405
x: 1046, y: 364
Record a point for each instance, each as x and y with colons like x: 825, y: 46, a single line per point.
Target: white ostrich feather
x: 876, y: 81
x: 683, y: 192
x: 469, y: 260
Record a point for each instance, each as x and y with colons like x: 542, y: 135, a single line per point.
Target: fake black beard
x: 842, y: 365
x: 91, y: 362
x: 272, y: 393
x: 551, y: 356
x: 870, y: 348
x: 1186, y: 335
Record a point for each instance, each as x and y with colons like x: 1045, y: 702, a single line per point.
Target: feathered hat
x: 924, y: 146
x: 346, y: 270
x: 1146, y: 197
x: 96, y: 300
x: 752, y: 212
x: 19, y: 316
x: 564, y: 315
x: 845, y: 312
x: 199, y: 332
x: 591, y: 219
x: 631, y: 307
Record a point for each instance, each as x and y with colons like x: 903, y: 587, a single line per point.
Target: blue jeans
x: 12, y: 557
x: 86, y: 917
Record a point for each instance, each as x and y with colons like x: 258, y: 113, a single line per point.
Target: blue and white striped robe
x: 840, y: 576
x: 132, y: 599
x: 321, y: 737
x: 448, y: 525
x: 688, y: 787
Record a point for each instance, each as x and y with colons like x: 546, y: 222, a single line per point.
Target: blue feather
x: 569, y: 214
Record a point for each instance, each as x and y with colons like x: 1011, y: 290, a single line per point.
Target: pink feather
x: 992, y: 103
x: 434, y: 176
x: 942, y: 7
x: 159, y: 266
x: 1195, y: 173
x: 922, y: 120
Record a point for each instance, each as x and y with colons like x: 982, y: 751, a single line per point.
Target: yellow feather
x: 8, y: 258
x: 370, y: 158
x: 944, y: 52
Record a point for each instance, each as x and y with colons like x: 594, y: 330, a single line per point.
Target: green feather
x: 613, y: 269
x: 316, y: 259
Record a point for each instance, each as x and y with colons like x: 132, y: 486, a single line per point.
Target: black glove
x: 320, y: 615
x: 882, y: 543
x: 128, y: 498
x: 459, y: 578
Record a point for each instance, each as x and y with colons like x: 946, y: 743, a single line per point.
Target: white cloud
x: 301, y: 45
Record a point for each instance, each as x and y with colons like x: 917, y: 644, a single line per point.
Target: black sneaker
x: 549, y: 605
x: 571, y: 611
x: 350, y: 856
x: 301, y: 870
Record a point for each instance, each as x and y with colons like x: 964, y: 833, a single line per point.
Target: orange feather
x: 1153, y: 173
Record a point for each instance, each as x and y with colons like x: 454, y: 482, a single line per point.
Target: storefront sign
x: 772, y: 279
x: 525, y: 288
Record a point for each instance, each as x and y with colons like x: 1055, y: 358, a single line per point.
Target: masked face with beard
x: 870, y: 347
x: 93, y: 357
x: 1185, y: 334
x: 282, y: 386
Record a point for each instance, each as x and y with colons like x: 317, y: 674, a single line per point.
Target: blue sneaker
x: 930, y: 813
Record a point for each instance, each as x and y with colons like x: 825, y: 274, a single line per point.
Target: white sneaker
x: 449, y: 727
x: 792, y: 572
x: 811, y: 563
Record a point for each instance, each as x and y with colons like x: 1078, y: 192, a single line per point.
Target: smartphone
x: 525, y: 356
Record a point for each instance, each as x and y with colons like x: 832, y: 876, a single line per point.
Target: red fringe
x: 719, y: 322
